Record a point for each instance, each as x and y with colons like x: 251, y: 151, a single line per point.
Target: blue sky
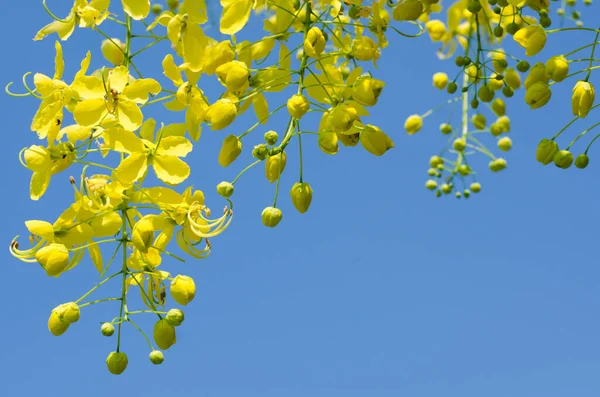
x: 379, y: 290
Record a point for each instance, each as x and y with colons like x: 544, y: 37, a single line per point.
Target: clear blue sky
x: 379, y: 290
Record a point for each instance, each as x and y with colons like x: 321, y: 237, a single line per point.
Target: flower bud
x: 479, y: 121
x: 464, y: 169
x: 342, y: 117
x: 440, y: 80
x: 271, y: 137
x: 538, y: 95
x: 485, y: 93
x: 452, y: 87
x: 522, y: 66
x: 537, y: 73
x: 328, y: 141
x: 230, y: 150
x: 505, y: 144
x: 504, y: 123
x: 563, y: 159
x: 225, y: 189
x: 156, y: 9
x: 507, y: 91
x: 274, y: 166
x: 431, y: 184
x: 497, y: 165
x: 583, y: 98
x: 413, y: 124
x: 582, y: 161
x: 221, y: 113
x: 434, y: 161
x: 113, y: 51
x: 183, y: 289
x: 234, y: 75
x: 172, y: 4
x: 496, y: 129
x: 54, y: 258
x: 297, y: 106
x: 55, y: 325
x: 409, y: 10
x: 499, y: 107
x: 475, y: 187
x: 366, y: 90
x: 446, y: 188
x: 436, y: 29
x: 271, y: 216
x: 314, y: 44
x: 446, y: 128
x: 532, y: 38
x: 142, y: 235
x: 375, y: 141
x: 545, y: 151
x: 164, y: 334
x: 467, y: 193
x: 116, y: 362
x: 459, y: 144
x: 301, y: 194
x: 68, y: 312
x: 365, y: 49
x: 557, y: 67
x: 512, y: 78
x: 156, y: 357
x: 107, y: 329
x: 260, y: 152
x: 174, y: 317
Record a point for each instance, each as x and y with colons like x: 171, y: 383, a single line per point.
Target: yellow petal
x: 171, y: 70
x: 96, y: 256
x: 261, y: 108
x: 147, y: 129
x: 46, y: 116
x: 194, y: 41
x: 122, y: 141
x: 63, y: 29
x: 38, y: 185
x: 130, y: 116
x: 59, y: 63
x: 139, y: 90
x: 170, y: 169
x: 132, y: 168
x: 90, y: 112
x: 44, y: 85
x: 174, y: 130
x: 196, y: 10
x: 174, y: 146
x: 75, y: 133
x: 106, y: 225
x: 137, y: 9
x: 235, y: 15
x: 88, y: 87
x: 41, y: 228
x: 118, y: 78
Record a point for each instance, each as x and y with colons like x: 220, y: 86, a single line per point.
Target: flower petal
x: 235, y: 15
x: 132, y: 168
x: 118, y: 78
x: 122, y: 141
x: 38, y: 185
x: 90, y: 112
x: 130, y: 116
x: 174, y: 146
x: 171, y: 70
x: 137, y: 9
x: 139, y: 90
x: 170, y: 169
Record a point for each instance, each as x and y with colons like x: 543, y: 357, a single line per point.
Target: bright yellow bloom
x: 314, y: 44
x: 440, y: 80
x: 230, y: 150
x: 512, y: 78
x: 233, y: 75
x: 409, y: 10
x: 183, y: 289
x: 113, y: 51
x: 119, y: 99
x: 298, y: 106
x: 221, y: 113
x: 163, y: 154
x: 137, y: 9
x: 557, y: 68
x: 366, y: 90
x: 413, y: 124
x: 583, y: 98
x: 328, y: 141
x: 375, y: 141
x: 538, y: 73
x: 436, y: 29
x: 55, y: 325
x: 532, y: 38
x: 235, y: 15
x: 84, y: 13
x: 365, y: 49
x: 274, y: 166
x: 142, y: 235
x: 538, y: 95
x: 54, y: 258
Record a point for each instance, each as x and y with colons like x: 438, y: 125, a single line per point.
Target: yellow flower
x: 67, y: 312
x: 55, y: 325
x: 164, y: 334
x: 557, y: 67
x: 409, y: 10
x: 375, y: 141
x: 532, y: 38
x: 119, y: 99
x: 314, y: 43
x: 583, y: 98
x: 113, y: 51
x: 440, y: 80
x: 230, y: 150
x: 234, y: 75
x: 413, y: 124
x: 343, y: 116
x: 116, y: 362
x: 545, y: 151
x: 137, y: 9
x: 301, y: 194
x: 271, y: 216
x: 298, y: 106
x: 235, y: 15
x: 328, y: 141
x: 436, y: 29
x: 54, y: 258
x: 538, y: 95
x: 183, y: 289
x: 366, y: 90
x: 538, y: 73
x: 85, y: 13
x: 221, y: 113
x: 163, y: 154
x: 365, y: 49
x: 274, y: 166
x: 142, y: 235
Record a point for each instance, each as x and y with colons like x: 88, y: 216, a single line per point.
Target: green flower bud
x: 475, y: 187
x: 142, y: 236
x: 512, y: 28
x: 485, y: 93
x: 446, y: 128
x: 156, y: 9
x: 458, y: 195
x: 505, y: 144
x: 467, y: 193
x: 459, y: 144
x: 156, y: 357
x: 523, y: 66
x: 116, y: 362
x: 54, y: 258
x: 563, y: 159
x: 502, y: 3
x: 504, y: 123
x: 582, y: 161
x: 500, y: 64
x: 274, y: 166
x: 301, y: 194
x: 434, y: 161
x: 459, y: 61
x: 260, y: 152
x: 164, y: 334
x: 474, y: 6
x: 230, y: 150
x: 498, y: 31
x: 446, y: 188
x: 225, y: 189
x: 464, y: 169
x: 474, y: 103
x: 174, y: 317
x: 298, y: 106
x: 183, y: 289
x: 107, y: 329
x: 271, y: 216
x: 432, y: 172
x: 354, y: 12
x: 496, y: 129
x: 271, y: 137
x: 499, y: 107
x: 497, y: 165
x: 452, y: 87
x: 545, y: 21
x: 545, y: 151
x: 431, y: 184
x: 438, y: 194
x: 479, y: 121
x: 172, y: 4
x: 413, y: 124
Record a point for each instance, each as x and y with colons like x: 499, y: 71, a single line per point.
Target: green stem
x: 97, y: 286
x: 244, y: 170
